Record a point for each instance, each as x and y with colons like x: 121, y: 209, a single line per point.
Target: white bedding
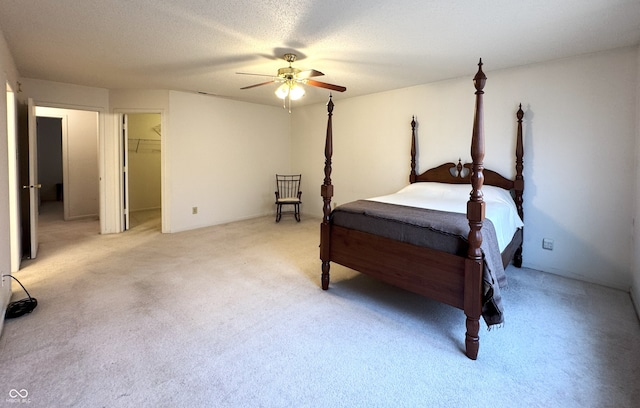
x: 499, y: 208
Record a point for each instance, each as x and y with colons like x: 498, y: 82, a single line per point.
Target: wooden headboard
x: 452, y: 173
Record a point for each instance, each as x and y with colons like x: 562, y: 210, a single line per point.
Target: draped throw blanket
x: 440, y: 230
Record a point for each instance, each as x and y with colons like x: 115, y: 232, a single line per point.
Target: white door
x: 125, y: 175
x: 34, y: 187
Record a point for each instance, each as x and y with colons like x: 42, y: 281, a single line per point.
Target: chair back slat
x: 288, y: 185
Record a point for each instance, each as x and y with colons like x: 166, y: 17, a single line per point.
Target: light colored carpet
x: 233, y: 316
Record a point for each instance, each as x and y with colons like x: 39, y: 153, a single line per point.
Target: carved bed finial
x: 326, y: 191
x: 328, y: 151
x: 518, y: 184
x: 475, y: 215
x: 477, y: 156
x: 480, y: 79
x: 413, y: 174
x: 459, y: 167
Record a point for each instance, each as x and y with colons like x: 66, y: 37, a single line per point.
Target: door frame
x: 15, y: 240
x: 122, y: 145
x: 33, y: 186
x: 103, y: 205
x: 123, y: 131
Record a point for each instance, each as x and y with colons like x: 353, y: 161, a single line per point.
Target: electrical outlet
x: 547, y: 243
x: 194, y: 210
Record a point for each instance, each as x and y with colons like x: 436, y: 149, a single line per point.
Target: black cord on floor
x: 20, y: 307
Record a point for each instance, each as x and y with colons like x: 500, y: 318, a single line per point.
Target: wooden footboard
x: 427, y: 272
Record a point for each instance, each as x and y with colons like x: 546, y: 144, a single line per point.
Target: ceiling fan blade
x: 325, y: 85
x: 260, y: 84
x: 309, y: 73
x: 248, y: 73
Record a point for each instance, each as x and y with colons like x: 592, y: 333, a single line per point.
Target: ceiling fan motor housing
x: 288, y: 72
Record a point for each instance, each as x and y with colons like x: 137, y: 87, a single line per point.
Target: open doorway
x: 67, y: 167
x: 50, y: 174
x: 142, y: 177
x: 68, y: 160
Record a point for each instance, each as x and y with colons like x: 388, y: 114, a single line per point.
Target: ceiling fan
x: 291, y: 79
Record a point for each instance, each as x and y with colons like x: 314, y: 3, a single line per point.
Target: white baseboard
x: 5, y: 297
x: 635, y: 299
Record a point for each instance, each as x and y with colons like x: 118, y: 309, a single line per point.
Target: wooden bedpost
x: 519, y: 182
x: 475, y: 215
x: 326, y: 190
x: 413, y: 174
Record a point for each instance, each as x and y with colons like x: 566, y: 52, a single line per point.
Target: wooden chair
x: 288, y: 193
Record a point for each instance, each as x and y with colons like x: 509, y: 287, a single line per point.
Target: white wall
x: 82, y: 162
x: 223, y: 156
x: 8, y: 75
x: 580, y: 138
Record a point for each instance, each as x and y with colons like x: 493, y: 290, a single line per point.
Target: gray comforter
x: 443, y: 231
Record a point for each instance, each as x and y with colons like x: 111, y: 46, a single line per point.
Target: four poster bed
x: 429, y: 239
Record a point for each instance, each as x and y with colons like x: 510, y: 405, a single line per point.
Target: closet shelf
x: 152, y: 145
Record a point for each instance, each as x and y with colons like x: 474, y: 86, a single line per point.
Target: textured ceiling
x: 367, y: 46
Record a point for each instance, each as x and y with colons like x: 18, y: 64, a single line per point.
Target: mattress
x: 499, y: 205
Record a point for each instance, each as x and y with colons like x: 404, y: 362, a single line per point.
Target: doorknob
x: 36, y: 186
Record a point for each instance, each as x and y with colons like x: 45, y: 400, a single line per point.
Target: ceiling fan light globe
x: 282, y: 91
x: 296, y: 92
